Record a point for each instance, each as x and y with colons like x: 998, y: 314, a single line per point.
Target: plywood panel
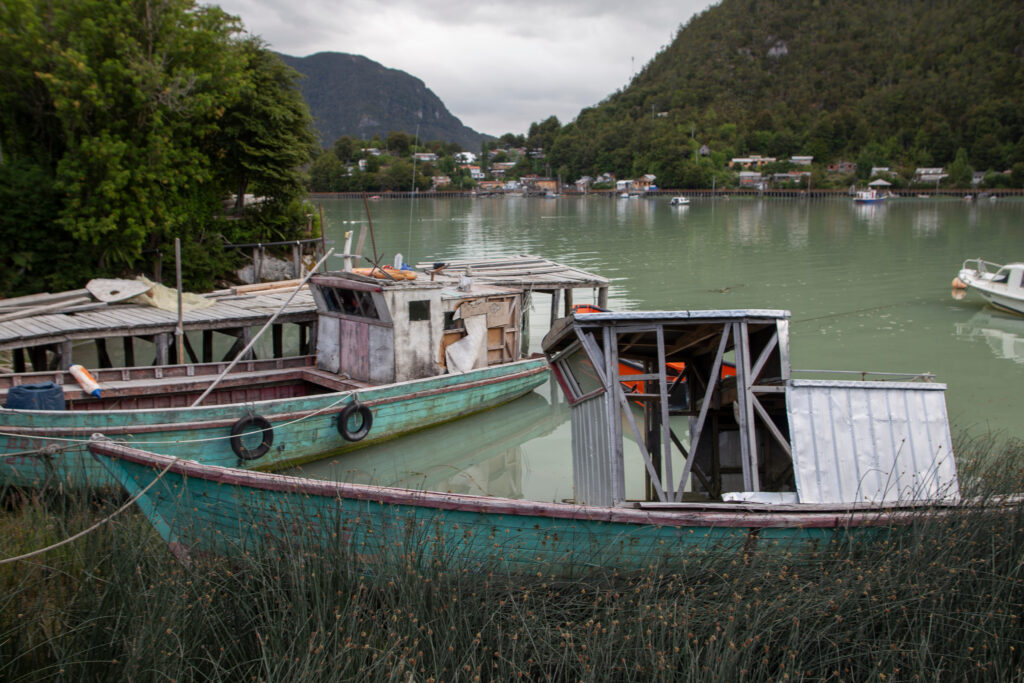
x: 355, y: 349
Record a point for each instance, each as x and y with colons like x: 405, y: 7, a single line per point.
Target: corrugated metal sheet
x: 667, y: 316
x: 876, y: 442
x: 593, y: 471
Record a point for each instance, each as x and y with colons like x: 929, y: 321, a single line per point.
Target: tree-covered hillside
x: 876, y: 82
x: 355, y: 96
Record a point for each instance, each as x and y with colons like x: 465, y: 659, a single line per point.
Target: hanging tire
x: 241, y: 427
x: 364, y: 426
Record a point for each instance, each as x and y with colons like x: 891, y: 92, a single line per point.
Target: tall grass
x: 942, y: 602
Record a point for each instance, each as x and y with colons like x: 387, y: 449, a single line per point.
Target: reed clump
x: 940, y: 602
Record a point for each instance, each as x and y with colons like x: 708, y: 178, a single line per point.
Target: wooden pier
x: 47, y: 338
x: 41, y: 331
x: 532, y: 274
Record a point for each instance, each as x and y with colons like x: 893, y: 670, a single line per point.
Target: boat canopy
x: 758, y: 436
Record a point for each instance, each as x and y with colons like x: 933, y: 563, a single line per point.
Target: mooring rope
x: 97, y: 525
x: 70, y: 440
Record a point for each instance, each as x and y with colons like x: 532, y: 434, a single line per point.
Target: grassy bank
x: 940, y: 603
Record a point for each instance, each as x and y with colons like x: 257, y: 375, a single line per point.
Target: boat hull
x: 48, y: 447
x: 230, y: 512
x: 997, y: 294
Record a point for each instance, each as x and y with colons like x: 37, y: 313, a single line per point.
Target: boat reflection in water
x: 480, y: 454
x: 1004, y: 333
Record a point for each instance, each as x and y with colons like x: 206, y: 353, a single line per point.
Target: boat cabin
x: 393, y: 330
x: 757, y: 435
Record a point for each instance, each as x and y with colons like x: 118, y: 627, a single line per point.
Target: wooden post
x: 555, y: 296
x: 128, y: 343
x: 323, y: 234
x: 207, y: 346
x: 602, y: 297
x: 65, y: 355
x: 568, y: 300
x: 180, y: 332
x: 297, y: 260
x: 278, y: 341
x: 160, y: 342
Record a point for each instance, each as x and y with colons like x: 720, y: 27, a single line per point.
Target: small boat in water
x: 869, y: 197
x: 392, y: 355
x: 680, y: 201
x: 768, y: 462
x: 1000, y: 285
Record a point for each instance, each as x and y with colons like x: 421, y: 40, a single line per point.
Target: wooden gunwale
x: 272, y: 417
x: 723, y: 515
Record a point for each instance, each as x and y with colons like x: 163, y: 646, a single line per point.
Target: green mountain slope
x: 872, y: 81
x: 352, y: 95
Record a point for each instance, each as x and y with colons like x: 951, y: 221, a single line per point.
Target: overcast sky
x: 497, y: 66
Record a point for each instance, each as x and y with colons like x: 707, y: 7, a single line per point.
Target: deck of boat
x: 530, y: 273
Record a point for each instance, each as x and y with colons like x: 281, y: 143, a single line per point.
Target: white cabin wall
x: 416, y: 342
x: 328, y: 349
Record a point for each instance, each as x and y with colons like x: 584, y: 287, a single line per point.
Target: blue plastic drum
x: 47, y: 396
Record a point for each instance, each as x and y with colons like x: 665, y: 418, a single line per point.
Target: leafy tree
x: 960, y: 171
x: 398, y: 143
x: 137, y: 118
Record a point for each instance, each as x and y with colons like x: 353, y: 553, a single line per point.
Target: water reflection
x: 1003, y: 333
x: 873, y: 215
x: 481, y: 454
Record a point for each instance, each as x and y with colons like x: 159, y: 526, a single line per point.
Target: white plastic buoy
x: 85, y: 380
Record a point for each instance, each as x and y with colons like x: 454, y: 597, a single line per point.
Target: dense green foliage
x: 349, y: 165
x: 355, y: 96
x: 899, y: 84
x: 942, y: 602
x: 124, y: 124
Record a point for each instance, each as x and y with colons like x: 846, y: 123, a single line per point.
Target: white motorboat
x: 680, y: 201
x: 1002, y: 286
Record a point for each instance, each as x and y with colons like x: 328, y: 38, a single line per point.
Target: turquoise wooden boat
x: 207, y: 510
x: 391, y: 357
x: 767, y: 462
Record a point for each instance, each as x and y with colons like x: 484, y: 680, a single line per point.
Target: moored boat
x: 1000, y: 285
x: 680, y: 201
x: 768, y: 462
x: 868, y: 197
x: 392, y: 355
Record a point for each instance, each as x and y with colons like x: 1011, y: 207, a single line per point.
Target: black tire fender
x: 240, y: 427
x: 364, y: 427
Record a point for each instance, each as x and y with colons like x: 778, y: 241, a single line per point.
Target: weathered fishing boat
x: 769, y: 461
x: 1002, y: 286
x: 391, y: 356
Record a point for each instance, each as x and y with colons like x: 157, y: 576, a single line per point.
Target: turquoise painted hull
x: 48, y: 448
x: 201, y: 510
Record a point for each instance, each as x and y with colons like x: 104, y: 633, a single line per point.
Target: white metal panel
x: 875, y: 442
x: 328, y: 350
x: 593, y: 457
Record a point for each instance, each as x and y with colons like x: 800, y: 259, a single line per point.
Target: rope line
x: 70, y: 440
x: 89, y: 530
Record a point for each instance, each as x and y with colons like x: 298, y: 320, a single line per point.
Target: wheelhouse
x: 758, y: 436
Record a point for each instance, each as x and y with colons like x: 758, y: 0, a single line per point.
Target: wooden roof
x: 523, y: 271
x: 121, y: 320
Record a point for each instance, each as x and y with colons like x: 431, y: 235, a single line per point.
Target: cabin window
x: 581, y: 373
x: 451, y: 324
x: 1001, y: 276
x: 350, y: 302
x: 419, y: 310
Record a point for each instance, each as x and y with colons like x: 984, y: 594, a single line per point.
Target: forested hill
x: 875, y: 81
x: 352, y: 95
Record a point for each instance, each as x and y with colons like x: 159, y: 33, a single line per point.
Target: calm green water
x: 868, y: 288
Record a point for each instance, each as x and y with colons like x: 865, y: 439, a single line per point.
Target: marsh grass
x: 940, y: 602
